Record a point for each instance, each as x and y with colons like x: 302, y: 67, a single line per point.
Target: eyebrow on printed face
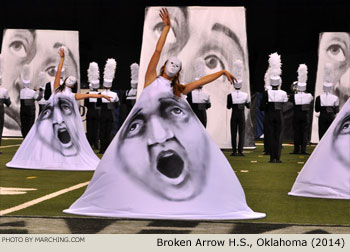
x: 24, y: 34
x: 228, y: 32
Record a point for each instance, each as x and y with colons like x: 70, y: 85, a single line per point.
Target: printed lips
x: 170, y: 164
x: 63, y: 135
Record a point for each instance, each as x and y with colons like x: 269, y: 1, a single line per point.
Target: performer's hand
x: 230, y: 77
x: 164, y: 14
x: 61, y: 52
x: 109, y: 98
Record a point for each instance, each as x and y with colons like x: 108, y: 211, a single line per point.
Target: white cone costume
x: 326, y: 174
x: 57, y: 140
x: 163, y: 165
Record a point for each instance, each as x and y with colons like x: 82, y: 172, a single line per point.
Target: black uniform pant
x: 266, y: 133
x: 325, y: 120
x: 27, y: 116
x: 300, y: 130
x: 202, y: 116
x: 93, y: 126
x: 275, y: 125
x: 1, y: 120
x: 237, y: 124
x: 107, y: 122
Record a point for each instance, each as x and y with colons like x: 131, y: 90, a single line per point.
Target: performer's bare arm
x: 207, y: 79
x: 59, y: 69
x: 151, y: 73
x: 84, y: 96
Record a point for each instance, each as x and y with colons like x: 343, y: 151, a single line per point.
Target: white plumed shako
x: 302, y: 77
x: 94, y: 75
x: 199, y: 68
x: 134, y: 69
x: 328, y: 78
x: 109, y: 71
x: 42, y: 79
x: 238, y: 73
x: 26, y: 75
x: 275, y: 69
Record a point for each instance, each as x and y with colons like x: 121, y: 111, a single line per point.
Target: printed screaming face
x: 38, y: 48
x: 56, y: 125
x: 164, y: 147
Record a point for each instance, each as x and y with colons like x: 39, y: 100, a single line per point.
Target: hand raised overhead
x: 61, y: 52
x: 164, y: 14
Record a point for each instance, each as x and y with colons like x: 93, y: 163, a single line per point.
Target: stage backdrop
x: 333, y: 49
x: 218, y: 36
x: 38, y: 48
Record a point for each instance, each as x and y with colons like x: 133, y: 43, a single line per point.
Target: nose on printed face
x: 159, y: 132
x: 57, y: 116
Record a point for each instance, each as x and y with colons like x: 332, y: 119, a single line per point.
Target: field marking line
x: 41, y: 199
x: 8, y: 146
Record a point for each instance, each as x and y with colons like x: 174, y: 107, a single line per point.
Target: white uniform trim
x: 239, y: 97
x: 93, y: 99
x: 328, y: 99
x: 277, y: 96
x: 198, y: 96
x: 303, y: 98
x: 27, y: 93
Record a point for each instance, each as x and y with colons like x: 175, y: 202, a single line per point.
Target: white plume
x: 302, y: 73
x: 199, y: 68
x: 275, y: 64
x: 42, y: 79
x: 238, y: 69
x: 109, y: 70
x: 134, y: 68
x: 93, y: 72
x: 26, y: 73
x: 328, y: 73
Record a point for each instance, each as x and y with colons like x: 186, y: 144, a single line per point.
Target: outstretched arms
x: 84, y: 96
x: 207, y: 79
x: 59, y: 69
x: 151, y: 73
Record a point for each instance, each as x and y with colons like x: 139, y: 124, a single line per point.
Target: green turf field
x: 266, y: 186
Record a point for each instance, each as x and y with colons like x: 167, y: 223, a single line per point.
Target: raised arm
x: 207, y: 79
x: 151, y: 73
x: 84, y: 96
x: 59, y: 69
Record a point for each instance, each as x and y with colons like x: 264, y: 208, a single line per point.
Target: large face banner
x: 334, y: 48
x: 216, y: 35
x: 38, y: 48
x: 326, y: 174
x: 162, y: 164
x: 57, y: 139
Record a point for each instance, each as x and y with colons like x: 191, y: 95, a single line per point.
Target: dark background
x: 113, y: 29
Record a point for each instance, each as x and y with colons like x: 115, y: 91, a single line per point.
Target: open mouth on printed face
x: 170, y: 164
x: 63, y: 135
